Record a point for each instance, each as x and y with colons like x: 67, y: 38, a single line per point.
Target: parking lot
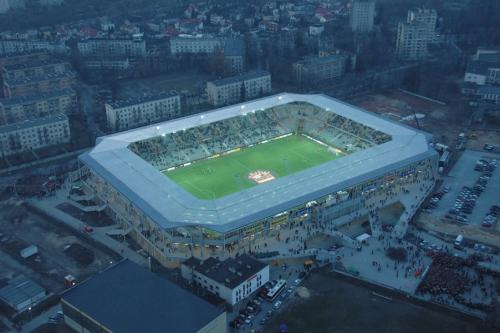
x: 470, y: 191
x: 253, y: 313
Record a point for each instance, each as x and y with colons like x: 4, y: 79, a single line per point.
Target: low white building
x: 128, y: 114
x: 233, y: 279
x: 239, y: 88
x: 34, y: 134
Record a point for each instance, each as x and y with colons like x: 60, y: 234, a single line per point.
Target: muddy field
x: 336, y: 305
x: 60, y: 251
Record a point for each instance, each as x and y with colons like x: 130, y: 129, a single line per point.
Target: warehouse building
x: 126, y: 298
x: 20, y: 293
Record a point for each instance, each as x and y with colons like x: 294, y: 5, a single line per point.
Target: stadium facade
x: 126, y: 171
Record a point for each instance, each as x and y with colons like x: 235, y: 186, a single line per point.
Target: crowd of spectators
x: 199, y: 142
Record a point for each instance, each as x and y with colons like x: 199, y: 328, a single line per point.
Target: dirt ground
x: 52, y: 263
x: 441, y: 120
x: 338, y: 306
x: 480, y: 235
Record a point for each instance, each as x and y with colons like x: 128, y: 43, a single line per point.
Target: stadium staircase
x: 375, y: 223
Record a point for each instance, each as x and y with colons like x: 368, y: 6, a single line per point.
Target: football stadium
x: 242, y: 173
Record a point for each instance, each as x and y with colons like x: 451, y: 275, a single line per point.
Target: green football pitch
x: 217, y: 177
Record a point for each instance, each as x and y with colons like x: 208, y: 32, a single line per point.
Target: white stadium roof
x: 169, y: 205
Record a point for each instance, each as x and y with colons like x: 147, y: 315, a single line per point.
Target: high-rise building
x: 362, y: 15
x: 428, y: 19
x: 415, y: 34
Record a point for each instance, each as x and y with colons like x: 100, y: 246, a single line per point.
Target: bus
x: 276, y: 290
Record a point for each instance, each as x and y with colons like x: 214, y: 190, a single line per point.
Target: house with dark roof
x: 233, y: 279
x: 127, y: 298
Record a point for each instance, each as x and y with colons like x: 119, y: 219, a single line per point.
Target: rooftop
x: 321, y: 60
x: 168, y: 205
x: 488, y: 90
x: 35, y: 63
x: 231, y: 272
x: 234, y: 47
x: 481, y: 67
x: 143, y: 99
x: 127, y: 298
x: 240, y: 78
x: 32, y: 123
x: 36, y: 97
x: 20, y: 290
x: 40, y: 78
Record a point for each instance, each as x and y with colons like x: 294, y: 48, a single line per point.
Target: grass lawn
x: 214, y: 178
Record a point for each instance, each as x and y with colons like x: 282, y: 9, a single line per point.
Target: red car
x: 88, y: 229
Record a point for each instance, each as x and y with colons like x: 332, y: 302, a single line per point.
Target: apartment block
x: 319, y: 69
x: 39, y: 84
x: 128, y: 114
x: 34, y: 134
x: 362, y: 15
x: 415, y: 34
x: 34, y: 68
x: 195, y: 44
x: 36, y: 106
x: 239, y: 88
x: 112, y: 47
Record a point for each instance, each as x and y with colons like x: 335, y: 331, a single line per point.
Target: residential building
x: 416, y: 34
x: 34, y: 134
x: 34, y: 68
x: 195, y: 44
x: 234, y: 54
x: 487, y: 53
x: 427, y: 18
x: 482, y: 72
x: 362, y: 15
x: 489, y: 93
x: 132, y: 113
x: 233, y: 279
x: 39, y: 84
x: 239, y: 88
x: 22, y: 108
x: 316, y: 29
x: 317, y: 69
x: 12, y: 46
x: 113, y: 47
x: 114, y: 64
x: 23, y: 57
x: 126, y: 298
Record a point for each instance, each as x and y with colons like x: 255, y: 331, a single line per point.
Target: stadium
x: 241, y: 173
